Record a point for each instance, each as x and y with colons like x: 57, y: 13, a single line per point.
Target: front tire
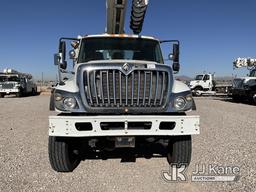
x: 61, y: 154
x: 252, y: 97
x: 236, y: 98
x: 196, y: 91
x: 20, y: 93
x: 2, y: 95
x: 179, y: 150
x: 33, y: 93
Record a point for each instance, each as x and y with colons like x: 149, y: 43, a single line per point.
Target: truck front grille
x: 113, y: 88
x: 7, y: 86
x: 237, y: 83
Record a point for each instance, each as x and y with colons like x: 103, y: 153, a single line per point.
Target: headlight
x: 17, y: 85
x: 58, y: 97
x: 180, y: 103
x: 69, y: 103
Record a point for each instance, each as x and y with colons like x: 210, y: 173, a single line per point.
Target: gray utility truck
x: 244, y: 88
x: 120, y: 94
x: 205, y: 84
x: 14, y: 82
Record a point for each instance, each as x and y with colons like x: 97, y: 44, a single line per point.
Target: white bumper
x: 8, y: 91
x: 65, y: 126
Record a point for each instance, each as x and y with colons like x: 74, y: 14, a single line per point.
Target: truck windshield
x: 253, y: 73
x: 9, y: 78
x: 199, y: 77
x: 109, y: 48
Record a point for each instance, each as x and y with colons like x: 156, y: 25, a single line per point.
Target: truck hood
x: 241, y: 81
x: 122, y: 61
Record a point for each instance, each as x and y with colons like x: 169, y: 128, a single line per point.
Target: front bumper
x: 8, y: 91
x: 65, y: 126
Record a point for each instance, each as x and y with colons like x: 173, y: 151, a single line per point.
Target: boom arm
x: 244, y: 62
x: 11, y: 71
x: 116, y: 15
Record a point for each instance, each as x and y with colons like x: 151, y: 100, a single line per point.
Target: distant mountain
x: 183, y: 78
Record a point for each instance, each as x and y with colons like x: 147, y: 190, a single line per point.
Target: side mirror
x: 176, y: 67
x: 56, y: 59
x: 176, y: 58
x: 62, y: 49
x: 176, y: 53
x: 60, y: 58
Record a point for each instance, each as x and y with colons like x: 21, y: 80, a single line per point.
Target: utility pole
x: 42, y: 80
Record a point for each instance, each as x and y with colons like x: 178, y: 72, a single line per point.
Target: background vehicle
x: 244, y: 88
x: 14, y: 82
x: 120, y: 95
x: 205, y: 84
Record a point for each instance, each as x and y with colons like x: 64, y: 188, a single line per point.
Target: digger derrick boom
x: 115, y: 16
x: 116, y: 10
x: 244, y: 62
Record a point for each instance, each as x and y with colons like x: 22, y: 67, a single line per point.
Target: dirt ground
x: 228, y: 138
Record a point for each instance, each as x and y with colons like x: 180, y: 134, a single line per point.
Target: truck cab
x: 202, y: 82
x: 244, y: 88
x: 120, y: 94
x: 14, y: 82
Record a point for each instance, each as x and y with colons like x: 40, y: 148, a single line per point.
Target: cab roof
x: 118, y: 35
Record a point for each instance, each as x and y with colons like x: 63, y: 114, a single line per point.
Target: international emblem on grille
x: 126, y: 67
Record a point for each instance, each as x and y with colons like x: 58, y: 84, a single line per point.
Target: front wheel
x: 33, y: 93
x: 62, y: 154
x: 197, y: 91
x: 179, y: 150
x: 252, y: 97
x: 20, y: 93
x: 1, y: 95
x: 236, y: 98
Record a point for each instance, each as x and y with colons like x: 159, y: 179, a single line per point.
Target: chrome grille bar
x: 138, y: 95
x: 145, y: 86
x: 162, y: 90
x: 120, y: 87
x: 95, y: 88
x: 126, y: 90
x: 132, y: 88
x: 89, y: 86
x: 108, y: 88
x: 101, y: 88
x: 114, y: 87
x: 156, y: 90
x: 150, y: 88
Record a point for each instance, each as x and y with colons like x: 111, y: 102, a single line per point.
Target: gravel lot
x: 228, y: 137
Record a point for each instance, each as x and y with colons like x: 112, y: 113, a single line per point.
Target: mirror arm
x: 59, y: 75
x: 66, y: 71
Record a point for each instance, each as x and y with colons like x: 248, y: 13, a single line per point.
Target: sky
x: 212, y: 32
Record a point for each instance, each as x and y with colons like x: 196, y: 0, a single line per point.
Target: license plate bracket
x: 124, y: 142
